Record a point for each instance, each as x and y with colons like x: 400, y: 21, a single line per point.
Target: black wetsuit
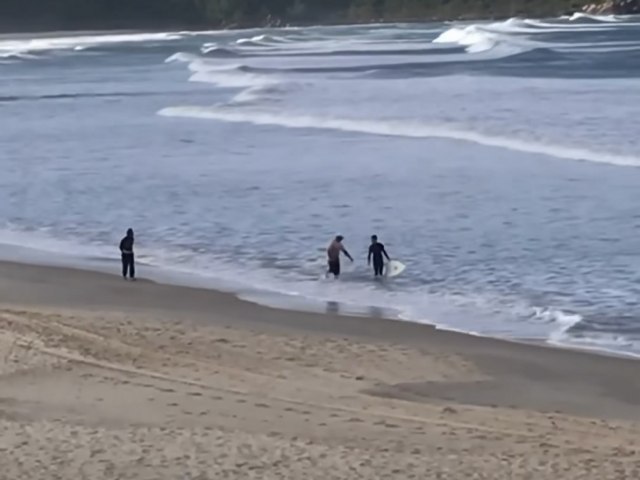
x: 128, y: 261
x: 376, y: 250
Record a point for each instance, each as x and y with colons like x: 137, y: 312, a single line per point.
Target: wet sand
x: 101, y: 378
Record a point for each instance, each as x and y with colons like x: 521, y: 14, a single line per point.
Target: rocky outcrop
x: 605, y: 8
x: 613, y: 7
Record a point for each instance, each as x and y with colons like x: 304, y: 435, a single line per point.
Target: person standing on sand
x: 128, y: 261
x: 376, y: 250
x: 333, y: 254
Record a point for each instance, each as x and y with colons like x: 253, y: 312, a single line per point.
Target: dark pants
x: 378, y: 266
x: 334, y: 267
x: 128, y: 265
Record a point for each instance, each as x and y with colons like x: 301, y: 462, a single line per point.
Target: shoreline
x: 271, y: 305
x: 268, y: 299
x: 67, y: 289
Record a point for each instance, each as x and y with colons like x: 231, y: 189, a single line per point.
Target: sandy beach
x: 101, y: 378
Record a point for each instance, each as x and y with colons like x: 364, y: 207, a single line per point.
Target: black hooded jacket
x: 126, y: 245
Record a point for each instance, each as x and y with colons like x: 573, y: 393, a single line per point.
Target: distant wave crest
x: 521, y: 34
x: 215, y: 51
x: 482, y: 37
x: 585, y: 17
x: 263, y: 39
x: 18, y: 47
x: 397, y: 129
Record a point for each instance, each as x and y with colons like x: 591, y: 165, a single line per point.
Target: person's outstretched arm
x: 344, y: 250
x: 384, y: 250
x: 369, y: 256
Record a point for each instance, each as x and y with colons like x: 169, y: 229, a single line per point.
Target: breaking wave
x: 562, y: 321
x: 263, y: 40
x: 518, y: 33
x: 398, y: 129
x: 586, y: 17
x: 181, y: 57
x: 17, y: 47
x: 480, y: 38
x: 214, y: 51
x: 472, y: 38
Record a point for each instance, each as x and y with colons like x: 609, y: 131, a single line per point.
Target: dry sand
x: 103, y: 379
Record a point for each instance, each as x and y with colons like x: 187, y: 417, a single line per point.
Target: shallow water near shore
x: 499, y: 161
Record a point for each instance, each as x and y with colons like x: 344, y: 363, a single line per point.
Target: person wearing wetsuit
x: 376, y: 251
x: 128, y: 261
x: 333, y: 254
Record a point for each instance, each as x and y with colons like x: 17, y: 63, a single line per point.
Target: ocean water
x: 499, y: 161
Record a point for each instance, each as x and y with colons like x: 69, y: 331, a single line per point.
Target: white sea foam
x: 514, y: 33
x: 604, y: 47
x: 257, y: 41
x: 619, y: 345
x: 272, y: 39
x: 181, y: 57
x: 580, y: 16
x: 197, y: 33
x: 541, y: 26
x: 264, y: 39
x: 399, y: 129
x: 562, y: 321
x: 249, y: 95
x: 17, y: 55
x: 214, y: 48
x: 200, y: 64
x: 22, y: 46
x: 229, y: 75
x: 470, y: 37
x: 481, y: 38
x: 512, y: 25
x: 231, y: 78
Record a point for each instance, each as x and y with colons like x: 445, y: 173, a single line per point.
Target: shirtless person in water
x: 333, y: 253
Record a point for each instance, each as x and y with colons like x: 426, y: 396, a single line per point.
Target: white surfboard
x: 394, y: 268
